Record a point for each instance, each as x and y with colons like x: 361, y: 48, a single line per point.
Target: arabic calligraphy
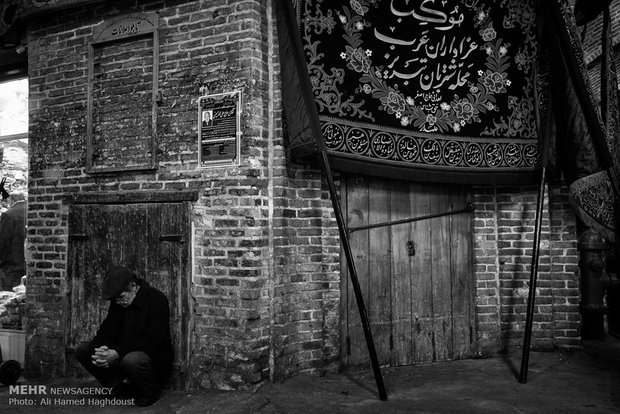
x: 473, y: 155
x: 431, y: 151
x: 429, y: 82
x: 442, y: 59
x: 452, y: 153
x: 357, y: 141
x: 408, y: 148
x: 436, y: 150
x: 512, y: 155
x: 531, y: 155
x: 383, y: 145
x: 493, y: 155
x: 333, y: 135
x: 429, y: 15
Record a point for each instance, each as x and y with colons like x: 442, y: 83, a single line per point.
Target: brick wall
x: 504, y: 233
x: 265, y: 256
x: 307, y: 285
x: 265, y: 274
x: 592, y: 44
x: 592, y: 32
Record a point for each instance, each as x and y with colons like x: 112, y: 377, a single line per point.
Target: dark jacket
x: 142, y: 326
x: 12, y: 236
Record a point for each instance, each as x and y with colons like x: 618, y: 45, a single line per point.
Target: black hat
x: 115, y: 281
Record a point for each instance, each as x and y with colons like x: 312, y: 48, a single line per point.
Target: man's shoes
x: 145, y: 401
x: 122, y: 390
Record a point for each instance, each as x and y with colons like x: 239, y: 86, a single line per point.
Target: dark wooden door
x: 416, y: 278
x: 151, y: 239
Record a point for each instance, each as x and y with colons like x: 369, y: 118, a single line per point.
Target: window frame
x: 16, y: 76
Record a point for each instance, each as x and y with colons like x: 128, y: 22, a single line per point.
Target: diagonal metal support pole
x: 540, y: 201
x: 467, y: 209
x: 531, y: 298
x: 346, y: 246
x: 288, y: 23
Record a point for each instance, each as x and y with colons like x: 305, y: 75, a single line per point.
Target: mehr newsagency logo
x: 43, y: 395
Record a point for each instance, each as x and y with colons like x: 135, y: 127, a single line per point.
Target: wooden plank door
x: 150, y: 239
x: 420, y: 304
x: 421, y: 264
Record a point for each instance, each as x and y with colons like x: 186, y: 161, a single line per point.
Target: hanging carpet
x: 442, y: 90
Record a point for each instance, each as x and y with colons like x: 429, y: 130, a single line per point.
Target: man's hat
x: 115, y: 281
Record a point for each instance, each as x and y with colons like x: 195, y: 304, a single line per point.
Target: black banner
x: 448, y: 86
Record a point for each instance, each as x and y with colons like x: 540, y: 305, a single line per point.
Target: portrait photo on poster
x: 219, y: 129
x: 207, y: 118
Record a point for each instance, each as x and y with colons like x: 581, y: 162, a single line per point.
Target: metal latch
x: 411, y: 248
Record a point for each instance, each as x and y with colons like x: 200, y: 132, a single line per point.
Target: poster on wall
x: 219, y: 129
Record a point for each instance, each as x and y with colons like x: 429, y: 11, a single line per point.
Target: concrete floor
x: 585, y: 381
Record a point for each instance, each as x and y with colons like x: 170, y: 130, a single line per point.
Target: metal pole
x: 286, y: 13
x: 346, y: 246
x: 468, y: 209
x: 531, y: 298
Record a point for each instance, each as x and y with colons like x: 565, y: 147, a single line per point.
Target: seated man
x: 132, y: 350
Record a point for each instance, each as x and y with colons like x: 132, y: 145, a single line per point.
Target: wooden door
x: 151, y: 239
x: 416, y: 278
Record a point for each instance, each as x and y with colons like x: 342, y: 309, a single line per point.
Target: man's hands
x: 103, y: 357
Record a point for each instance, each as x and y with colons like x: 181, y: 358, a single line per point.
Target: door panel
x: 402, y: 286
x: 440, y: 274
x: 379, y: 268
x: 151, y: 240
x: 463, y: 282
x: 421, y: 271
x: 358, y: 209
x: 419, y: 300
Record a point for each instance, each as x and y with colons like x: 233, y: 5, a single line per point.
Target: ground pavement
x: 584, y: 381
